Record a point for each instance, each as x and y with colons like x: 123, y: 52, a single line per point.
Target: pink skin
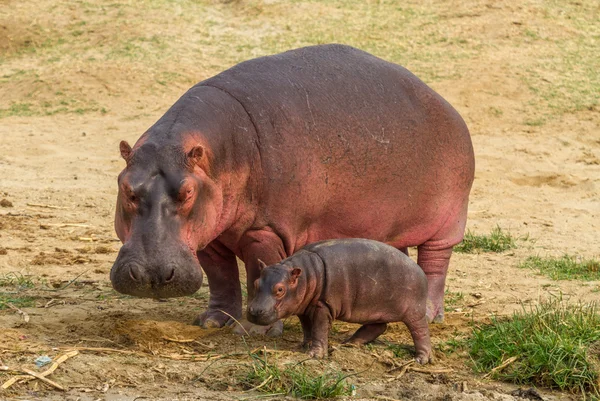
x: 286, y: 160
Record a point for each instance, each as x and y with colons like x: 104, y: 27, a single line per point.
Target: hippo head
x: 167, y: 209
x: 274, y: 295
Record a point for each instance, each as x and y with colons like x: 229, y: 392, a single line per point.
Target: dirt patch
x: 75, y: 79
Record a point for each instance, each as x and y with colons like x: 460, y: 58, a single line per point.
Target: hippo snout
x: 132, y: 274
x: 260, y: 315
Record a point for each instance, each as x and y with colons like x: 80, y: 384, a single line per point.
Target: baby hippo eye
x: 279, y: 290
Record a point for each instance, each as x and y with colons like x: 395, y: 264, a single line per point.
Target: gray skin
x: 352, y: 280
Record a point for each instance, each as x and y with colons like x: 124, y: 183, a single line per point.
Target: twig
x: 45, y: 373
x: 422, y: 370
x: 100, y: 349
x: 61, y: 225
x: 66, y: 285
x: 23, y: 314
x: 383, y: 397
x: 237, y: 321
x: 46, y: 206
x: 501, y: 366
x: 403, y: 370
x: 476, y: 303
x: 42, y: 378
x: 260, y: 385
x: 185, y: 340
x: 261, y: 396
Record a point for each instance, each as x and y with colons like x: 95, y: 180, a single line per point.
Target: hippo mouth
x: 262, y: 319
x: 132, y: 275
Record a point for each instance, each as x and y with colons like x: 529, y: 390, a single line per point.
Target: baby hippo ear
x: 194, y: 156
x: 294, y: 274
x: 261, y: 265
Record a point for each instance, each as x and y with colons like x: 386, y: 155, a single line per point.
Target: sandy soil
x: 59, y: 173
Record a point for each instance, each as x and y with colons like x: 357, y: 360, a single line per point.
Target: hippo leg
x: 434, y: 263
x: 221, y: 269
x: 321, y: 324
x: 306, y: 323
x: 434, y: 257
x: 367, y: 333
x: 419, y: 331
x: 268, y: 247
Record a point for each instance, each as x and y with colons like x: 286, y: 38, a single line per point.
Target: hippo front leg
x: 268, y: 247
x: 220, y: 266
x: 306, y: 323
x: 321, y: 325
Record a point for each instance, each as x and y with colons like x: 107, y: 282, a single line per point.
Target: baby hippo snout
x: 259, y: 314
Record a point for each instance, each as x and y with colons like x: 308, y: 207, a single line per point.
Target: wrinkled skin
x: 353, y: 280
x: 316, y: 143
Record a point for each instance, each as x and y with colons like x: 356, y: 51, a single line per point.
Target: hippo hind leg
x: 367, y: 333
x: 434, y: 257
x: 419, y: 331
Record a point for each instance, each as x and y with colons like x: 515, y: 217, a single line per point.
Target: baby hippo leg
x: 306, y: 330
x: 321, y: 323
x: 367, y: 333
x: 419, y: 330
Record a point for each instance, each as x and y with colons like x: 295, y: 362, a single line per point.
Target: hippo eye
x: 185, y: 192
x: 279, y: 291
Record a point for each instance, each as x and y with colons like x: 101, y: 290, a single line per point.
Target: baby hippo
x: 353, y: 280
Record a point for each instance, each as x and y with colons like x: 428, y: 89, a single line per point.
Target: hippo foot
x: 246, y: 328
x: 423, y: 357
x: 317, y: 352
x: 213, y: 319
x: 435, y: 314
x: 305, y: 346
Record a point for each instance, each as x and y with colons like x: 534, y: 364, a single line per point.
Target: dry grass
x: 82, y: 57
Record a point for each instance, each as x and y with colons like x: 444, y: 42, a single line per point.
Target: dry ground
x: 76, y: 77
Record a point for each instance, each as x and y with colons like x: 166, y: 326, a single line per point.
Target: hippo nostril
x: 171, y: 275
x: 134, y: 273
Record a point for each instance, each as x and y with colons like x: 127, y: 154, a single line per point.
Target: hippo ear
x: 125, y: 150
x: 194, y: 156
x: 261, y: 265
x: 294, y: 274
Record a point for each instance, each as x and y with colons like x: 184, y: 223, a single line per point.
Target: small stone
x: 42, y: 361
x: 6, y: 203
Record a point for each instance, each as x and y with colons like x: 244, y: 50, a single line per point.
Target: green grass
x: 452, y: 299
x: 497, y: 241
x: 401, y: 351
x: 18, y: 301
x: 567, y: 267
x: 13, y: 279
x: 555, y: 346
x: 295, y: 380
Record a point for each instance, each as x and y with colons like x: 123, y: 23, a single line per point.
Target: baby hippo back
x: 370, y: 282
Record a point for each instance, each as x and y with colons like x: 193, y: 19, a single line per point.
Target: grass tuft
x: 14, y: 279
x: 295, y: 380
x: 555, y: 346
x: 452, y: 299
x: 18, y: 301
x: 497, y: 241
x: 566, y: 267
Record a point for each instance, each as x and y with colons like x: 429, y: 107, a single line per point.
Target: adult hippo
x: 274, y: 153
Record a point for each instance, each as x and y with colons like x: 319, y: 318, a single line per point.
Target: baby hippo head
x: 274, y: 294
